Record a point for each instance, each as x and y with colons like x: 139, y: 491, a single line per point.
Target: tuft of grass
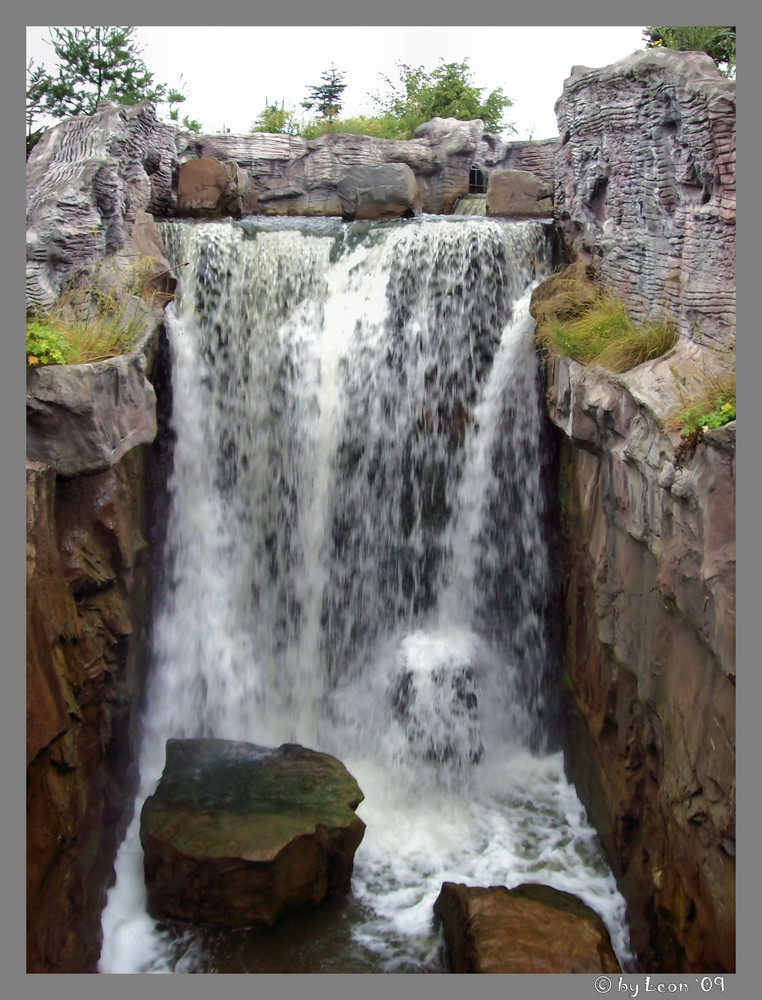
x: 710, y: 406
x: 592, y: 326
x: 99, y: 316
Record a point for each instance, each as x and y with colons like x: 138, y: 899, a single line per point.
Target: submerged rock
x: 237, y: 834
x: 529, y: 929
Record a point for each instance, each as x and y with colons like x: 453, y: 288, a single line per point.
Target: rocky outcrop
x: 89, y: 181
x: 518, y: 194
x: 529, y: 929
x: 209, y: 189
x: 649, y: 658
x: 86, y: 586
x: 384, y: 192
x: 237, y: 834
x: 82, y: 419
x: 646, y: 185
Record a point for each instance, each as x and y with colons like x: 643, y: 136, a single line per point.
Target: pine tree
x: 326, y: 97
x: 100, y: 63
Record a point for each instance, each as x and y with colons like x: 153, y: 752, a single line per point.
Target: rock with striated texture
x: 529, y: 929
x: 237, y: 834
x: 649, y: 665
x: 518, y: 194
x: 646, y: 185
x: 88, y: 180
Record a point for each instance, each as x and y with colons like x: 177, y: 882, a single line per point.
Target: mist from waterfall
x: 357, y: 560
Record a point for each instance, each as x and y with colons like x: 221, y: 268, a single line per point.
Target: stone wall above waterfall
x: 645, y: 185
x: 89, y: 180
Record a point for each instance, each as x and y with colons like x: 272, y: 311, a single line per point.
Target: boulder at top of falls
x: 237, y: 834
x: 529, y: 929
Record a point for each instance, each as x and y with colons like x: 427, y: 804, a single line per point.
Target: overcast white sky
x: 229, y: 72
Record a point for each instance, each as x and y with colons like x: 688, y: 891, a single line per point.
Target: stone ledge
x: 82, y: 419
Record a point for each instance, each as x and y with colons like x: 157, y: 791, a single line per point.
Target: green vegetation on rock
x: 98, y: 316
x: 586, y: 322
x: 718, y: 42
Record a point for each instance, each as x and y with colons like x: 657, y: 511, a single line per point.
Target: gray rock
x: 646, y: 185
x: 384, y: 192
x: 82, y: 419
x: 518, y: 194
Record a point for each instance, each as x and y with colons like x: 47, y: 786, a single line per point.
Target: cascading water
x: 356, y: 562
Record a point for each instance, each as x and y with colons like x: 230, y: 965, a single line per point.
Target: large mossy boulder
x: 529, y: 929
x: 237, y: 834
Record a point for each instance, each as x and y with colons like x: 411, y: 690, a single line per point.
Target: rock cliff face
x: 85, y: 562
x: 645, y: 191
x: 649, y: 658
x: 92, y: 517
x: 645, y: 184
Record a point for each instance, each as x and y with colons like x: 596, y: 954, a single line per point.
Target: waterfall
x: 356, y: 561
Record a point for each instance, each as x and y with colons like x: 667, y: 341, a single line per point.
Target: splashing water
x: 356, y: 561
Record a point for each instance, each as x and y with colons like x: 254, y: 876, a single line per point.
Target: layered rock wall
x: 86, y: 573
x: 649, y: 659
x: 645, y: 185
x: 645, y: 192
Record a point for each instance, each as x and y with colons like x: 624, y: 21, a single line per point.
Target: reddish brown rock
x: 84, y: 550
x: 237, y: 834
x: 207, y: 188
x: 529, y: 929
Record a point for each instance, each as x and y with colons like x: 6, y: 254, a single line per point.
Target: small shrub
x: 100, y: 315
x: 45, y: 345
x: 712, y: 406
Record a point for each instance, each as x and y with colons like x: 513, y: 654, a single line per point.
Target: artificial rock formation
x: 645, y: 185
x: 91, y: 181
x: 646, y: 197
x: 82, y: 419
x: 518, y: 194
x: 237, y: 834
x: 649, y: 663
x: 86, y: 573
x: 529, y: 929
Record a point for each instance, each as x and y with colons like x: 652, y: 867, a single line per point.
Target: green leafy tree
x: 276, y: 119
x: 445, y: 92
x: 99, y: 63
x: 326, y: 96
x: 717, y: 42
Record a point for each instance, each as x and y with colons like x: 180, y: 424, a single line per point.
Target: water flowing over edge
x: 355, y: 559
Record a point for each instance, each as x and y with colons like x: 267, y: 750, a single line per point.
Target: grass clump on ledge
x: 586, y: 322
x: 98, y: 316
x: 711, y: 406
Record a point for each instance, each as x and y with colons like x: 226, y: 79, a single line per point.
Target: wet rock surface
x: 529, y: 929
x: 238, y: 835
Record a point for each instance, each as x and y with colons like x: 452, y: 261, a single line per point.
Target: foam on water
x: 356, y: 560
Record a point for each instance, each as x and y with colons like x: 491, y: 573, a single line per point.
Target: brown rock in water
x: 237, y: 834
x: 529, y: 929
